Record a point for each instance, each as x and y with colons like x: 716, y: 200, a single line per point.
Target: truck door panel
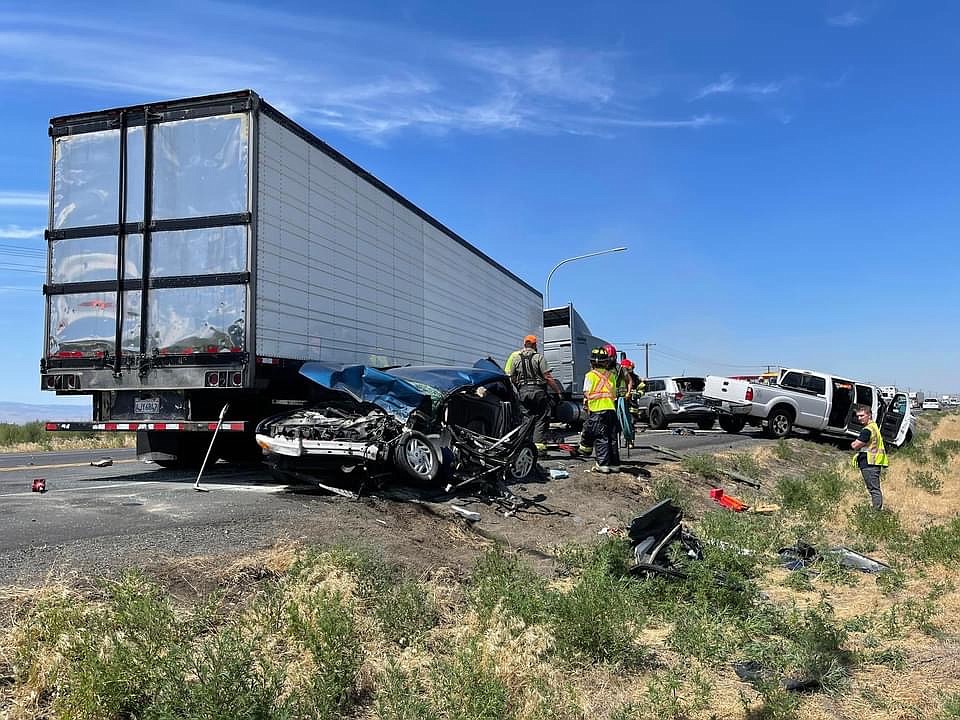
x: 896, y: 420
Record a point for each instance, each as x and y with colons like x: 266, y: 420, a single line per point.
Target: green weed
x: 783, y: 450
x: 951, y: 707
x: 667, y: 487
x: 502, y: 579
x: 704, y: 465
x: 400, y: 696
x: 916, y: 449
x: 927, y: 480
x: 746, y: 464
x: 938, y: 544
x: 466, y: 687
x: 943, y: 450
x: 875, y: 526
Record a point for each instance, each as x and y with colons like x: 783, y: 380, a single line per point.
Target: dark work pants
x: 871, y: 478
x: 600, y: 432
x: 536, y: 402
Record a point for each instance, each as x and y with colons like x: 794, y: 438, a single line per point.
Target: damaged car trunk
x: 459, y: 424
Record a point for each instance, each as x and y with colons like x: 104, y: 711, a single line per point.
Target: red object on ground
x: 728, y: 501
x: 39, y: 485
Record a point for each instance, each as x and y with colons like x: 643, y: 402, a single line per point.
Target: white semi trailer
x: 200, y: 250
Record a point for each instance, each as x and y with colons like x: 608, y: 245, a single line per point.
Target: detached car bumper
x: 335, y: 448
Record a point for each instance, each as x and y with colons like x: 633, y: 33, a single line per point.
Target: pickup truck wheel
x: 417, y: 457
x: 779, y: 424
x: 706, y: 423
x: 732, y: 424
x: 656, y: 419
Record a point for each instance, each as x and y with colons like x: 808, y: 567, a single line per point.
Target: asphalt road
x: 92, y: 516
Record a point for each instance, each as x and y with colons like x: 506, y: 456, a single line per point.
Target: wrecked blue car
x: 463, y: 423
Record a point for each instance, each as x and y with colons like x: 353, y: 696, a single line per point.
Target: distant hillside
x: 19, y: 413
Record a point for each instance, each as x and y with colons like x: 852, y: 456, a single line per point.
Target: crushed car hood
x: 396, y: 391
x: 364, y: 384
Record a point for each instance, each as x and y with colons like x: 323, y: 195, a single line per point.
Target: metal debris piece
x: 852, y: 559
x: 467, y: 514
x: 558, y: 474
x: 103, y: 462
x: 727, y: 501
x: 740, y: 478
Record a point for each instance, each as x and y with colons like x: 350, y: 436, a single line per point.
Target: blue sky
x: 784, y: 174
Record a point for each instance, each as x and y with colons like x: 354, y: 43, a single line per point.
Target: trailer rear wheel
x: 706, y: 423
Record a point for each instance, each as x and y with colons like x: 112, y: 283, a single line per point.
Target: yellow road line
x: 62, y: 465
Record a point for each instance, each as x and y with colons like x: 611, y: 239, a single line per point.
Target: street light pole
x: 546, y: 294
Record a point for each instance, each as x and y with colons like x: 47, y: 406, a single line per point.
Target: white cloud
x: 15, y: 232
x: 728, y: 85
x: 365, y: 79
x: 18, y: 198
x: 850, y: 18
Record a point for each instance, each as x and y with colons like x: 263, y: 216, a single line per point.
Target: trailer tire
x: 417, y: 456
x: 732, y: 424
x: 655, y: 418
x: 779, y: 422
x: 706, y: 423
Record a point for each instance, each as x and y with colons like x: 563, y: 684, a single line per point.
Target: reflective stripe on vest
x: 602, y: 392
x: 875, y: 451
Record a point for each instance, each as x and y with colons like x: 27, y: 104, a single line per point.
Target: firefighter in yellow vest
x: 600, y: 401
x: 871, y: 457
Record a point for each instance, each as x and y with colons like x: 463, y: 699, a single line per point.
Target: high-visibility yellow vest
x: 601, y: 393
x: 876, y: 453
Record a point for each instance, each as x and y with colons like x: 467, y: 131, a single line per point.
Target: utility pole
x: 646, y: 358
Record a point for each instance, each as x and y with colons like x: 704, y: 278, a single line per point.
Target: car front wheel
x: 524, y: 462
x: 417, y: 457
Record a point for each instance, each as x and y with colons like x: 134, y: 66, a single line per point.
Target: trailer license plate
x: 146, y: 407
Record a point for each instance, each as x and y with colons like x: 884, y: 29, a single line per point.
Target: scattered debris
x: 852, y: 559
x: 611, y: 532
x: 727, y: 501
x: 740, y: 478
x: 751, y: 671
x: 764, y: 508
x: 684, y: 431
x: 653, y: 533
x: 803, y: 555
x: 558, y: 474
x: 39, y: 485
x: 660, y: 449
x: 467, y: 514
x: 103, y: 462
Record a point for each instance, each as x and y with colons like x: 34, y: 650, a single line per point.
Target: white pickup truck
x: 817, y: 402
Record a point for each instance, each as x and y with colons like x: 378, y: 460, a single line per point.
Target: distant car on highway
x: 931, y: 404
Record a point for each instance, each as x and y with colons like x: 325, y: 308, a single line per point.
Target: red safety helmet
x: 627, y: 363
x: 611, y: 351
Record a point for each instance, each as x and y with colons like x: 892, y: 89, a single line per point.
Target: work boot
x: 582, y: 451
x: 614, y: 468
x: 604, y: 469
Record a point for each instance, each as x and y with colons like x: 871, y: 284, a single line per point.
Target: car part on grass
x: 856, y: 561
x: 651, y: 535
x: 751, y: 671
x: 660, y: 449
x: 101, y: 463
x: 469, y: 515
x: 802, y: 556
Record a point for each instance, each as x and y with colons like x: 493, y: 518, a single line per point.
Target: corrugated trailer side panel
x: 348, y: 273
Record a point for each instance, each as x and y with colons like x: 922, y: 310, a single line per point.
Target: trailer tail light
x: 236, y: 379
x: 749, y: 394
x: 213, y: 379
x: 50, y: 382
x: 73, y: 382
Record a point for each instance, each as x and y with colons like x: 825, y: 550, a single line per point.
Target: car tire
x: 779, y: 423
x: 706, y: 423
x: 655, y: 418
x: 417, y: 457
x: 732, y: 424
x: 524, y: 462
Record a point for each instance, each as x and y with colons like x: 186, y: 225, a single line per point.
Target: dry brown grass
x: 104, y: 441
